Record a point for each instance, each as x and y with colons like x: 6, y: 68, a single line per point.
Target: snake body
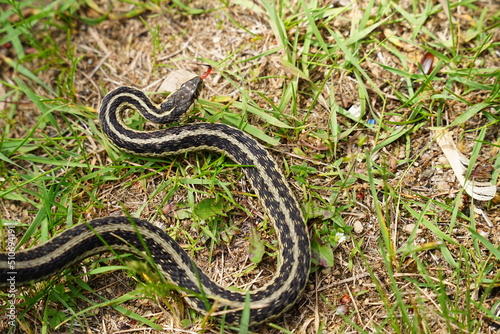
x: 126, y: 234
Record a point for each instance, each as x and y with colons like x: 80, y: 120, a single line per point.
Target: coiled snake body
x: 138, y: 236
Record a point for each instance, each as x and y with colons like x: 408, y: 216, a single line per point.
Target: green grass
x: 291, y: 83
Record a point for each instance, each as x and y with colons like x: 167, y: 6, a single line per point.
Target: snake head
x: 180, y: 101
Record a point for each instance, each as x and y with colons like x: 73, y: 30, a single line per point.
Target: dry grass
x: 417, y: 258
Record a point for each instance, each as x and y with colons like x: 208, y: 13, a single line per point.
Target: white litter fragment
x: 481, y: 191
x: 174, y: 80
x: 355, y: 110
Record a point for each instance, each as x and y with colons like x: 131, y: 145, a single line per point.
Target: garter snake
x: 138, y: 236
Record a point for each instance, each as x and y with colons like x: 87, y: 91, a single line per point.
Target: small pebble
x: 443, y: 161
x: 427, y: 173
x: 443, y: 186
x: 358, y: 227
x: 484, y: 234
x: 342, y: 309
x: 409, y: 228
x: 345, y: 299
